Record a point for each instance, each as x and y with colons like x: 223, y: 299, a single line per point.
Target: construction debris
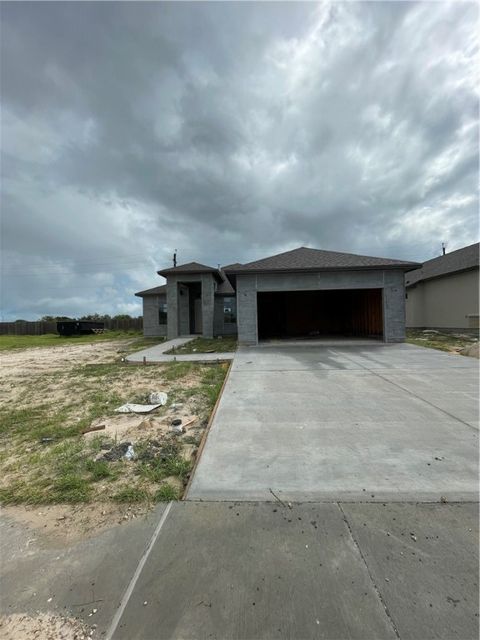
x: 158, y: 397
x: 137, y: 408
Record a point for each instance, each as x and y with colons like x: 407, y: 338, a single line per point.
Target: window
x: 162, y: 313
x: 229, y: 310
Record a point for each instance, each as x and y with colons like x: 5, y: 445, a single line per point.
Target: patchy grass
x: 451, y: 342
x: 206, y: 345
x: 132, y: 494
x: 46, y: 459
x: 55, y: 340
x: 166, y: 493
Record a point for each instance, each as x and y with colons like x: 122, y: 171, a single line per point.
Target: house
x: 443, y: 293
x: 300, y: 293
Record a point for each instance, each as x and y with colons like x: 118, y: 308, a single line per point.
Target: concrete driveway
x: 353, y: 422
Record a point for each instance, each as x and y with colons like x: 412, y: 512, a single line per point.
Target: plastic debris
x: 130, y: 453
x: 116, y: 452
x: 137, y: 408
x: 158, y: 397
x: 176, y: 426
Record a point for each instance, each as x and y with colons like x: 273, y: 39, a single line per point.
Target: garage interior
x: 326, y: 313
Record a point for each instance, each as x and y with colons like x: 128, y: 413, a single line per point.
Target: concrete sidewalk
x: 157, y: 354
x: 244, y: 571
x: 316, y: 423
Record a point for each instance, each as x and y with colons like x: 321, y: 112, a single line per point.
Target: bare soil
x: 60, y: 525
x: 44, y: 626
x: 21, y: 364
x: 53, y: 380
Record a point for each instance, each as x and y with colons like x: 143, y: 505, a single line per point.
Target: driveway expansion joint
x: 374, y: 584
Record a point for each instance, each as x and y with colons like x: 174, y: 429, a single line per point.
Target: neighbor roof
x: 306, y: 259
x: 459, y: 260
x: 153, y: 292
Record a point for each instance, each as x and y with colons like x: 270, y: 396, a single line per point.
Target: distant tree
x: 55, y: 318
x: 96, y: 317
x: 122, y: 316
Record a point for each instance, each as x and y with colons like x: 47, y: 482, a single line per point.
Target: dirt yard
x: 67, y: 481
x: 464, y: 344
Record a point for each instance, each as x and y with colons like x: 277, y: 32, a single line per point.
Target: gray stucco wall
x: 392, y: 283
x: 177, y: 305
x: 151, y: 326
x: 221, y: 328
x: 444, y: 302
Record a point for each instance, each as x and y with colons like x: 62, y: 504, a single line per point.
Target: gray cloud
x: 228, y: 131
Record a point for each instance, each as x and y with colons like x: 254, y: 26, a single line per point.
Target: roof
x: 189, y: 267
x: 153, y: 292
x: 225, y: 288
x: 306, y: 259
x: 232, y: 266
x: 459, y: 260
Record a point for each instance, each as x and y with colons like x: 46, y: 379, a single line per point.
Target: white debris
x: 158, y: 397
x: 130, y: 453
x: 137, y: 408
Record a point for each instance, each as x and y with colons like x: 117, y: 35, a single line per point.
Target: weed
x: 178, y: 370
x: 132, y: 494
x: 206, y: 345
x: 100, y: 470
x: 176, y: 467
x: 70, y: 487
x: 166, y: 493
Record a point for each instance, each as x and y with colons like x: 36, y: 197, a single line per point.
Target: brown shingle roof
x: 459, y: 260
x: 305, y: 259
x: 153, y: 292
x: 189, y: 267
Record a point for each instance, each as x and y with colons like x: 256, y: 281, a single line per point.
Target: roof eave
x: 442, y: 275
x: 399, y: 267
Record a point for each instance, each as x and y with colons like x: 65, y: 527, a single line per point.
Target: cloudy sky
x: 227, y: 131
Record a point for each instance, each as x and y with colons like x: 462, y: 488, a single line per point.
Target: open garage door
x: 340, y: 312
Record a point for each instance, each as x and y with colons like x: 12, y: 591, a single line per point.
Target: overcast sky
x: 229, y: 132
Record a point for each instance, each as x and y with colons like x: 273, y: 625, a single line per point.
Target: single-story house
x: 443, y: 293
x: 300, y: 293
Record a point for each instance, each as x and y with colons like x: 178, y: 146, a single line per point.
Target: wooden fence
x: 40, y: 327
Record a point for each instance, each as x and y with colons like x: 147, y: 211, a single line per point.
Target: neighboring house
x: 300, y: 293
x: 443, y: 293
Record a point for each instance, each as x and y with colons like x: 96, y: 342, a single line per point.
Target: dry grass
x: 433, y: 339
x: 51, y: 395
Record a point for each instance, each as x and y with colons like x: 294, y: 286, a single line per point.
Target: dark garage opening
x: 345, y: 312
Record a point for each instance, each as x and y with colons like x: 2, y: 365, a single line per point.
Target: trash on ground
x: 117, y: 452
x: 158, y: 397
x: 137, y: 408
x: 176, y: 426
x: 46, y: 440
x: 130, y: 453
x: 98, y: 427
x: 191, y: 421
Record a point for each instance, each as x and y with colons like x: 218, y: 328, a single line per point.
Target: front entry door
x: 198, y: 316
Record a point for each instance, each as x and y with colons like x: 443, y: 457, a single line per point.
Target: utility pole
x: 175, y: 258
x: 444, y: 246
